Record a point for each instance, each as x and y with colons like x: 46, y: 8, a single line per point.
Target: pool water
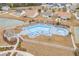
x: 43, y: 29
x: 5, y: 22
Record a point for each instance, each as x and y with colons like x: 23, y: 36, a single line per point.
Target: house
x: 5, y: 8
x: 56, y: 5
x: 31, y: 13
x: 47, y: 14
x: 17, y: 12
x: 73, y: 7
x: 50, y: 5
x: 53, y: 5
x: 77, y: 15
x: 61, y: 5
x: 63, y: 15
x: 68, y: 7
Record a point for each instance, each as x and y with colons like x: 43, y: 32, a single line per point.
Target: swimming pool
x: 43, y: 29
x: 5, y: 22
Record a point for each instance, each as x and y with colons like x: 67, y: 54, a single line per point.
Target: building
x: 63, y: 15
x: 5, y: 8
x: 77, y: 15
x: 47, y: 14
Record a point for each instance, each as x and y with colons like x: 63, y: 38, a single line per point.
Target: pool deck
x: 38, y: 49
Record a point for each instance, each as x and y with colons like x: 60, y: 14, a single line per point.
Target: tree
x: 64, y: 9
x: 53, y: 10
x: 0, y: 7
x: 12, y: 5
x: 39, y: 10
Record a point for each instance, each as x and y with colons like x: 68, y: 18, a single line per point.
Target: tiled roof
x: 64, y: 14
x: 30, y: 13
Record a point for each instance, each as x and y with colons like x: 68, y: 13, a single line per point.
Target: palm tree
x: 64, y: 9
x: 0, y: 6
x: 11, y: 5
x: 39, y: 10
x: 53, y: 10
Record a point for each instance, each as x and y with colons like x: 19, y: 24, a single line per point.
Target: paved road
x: 19, y: 52
x: 7, y: 46
x: 15, y: 46
x: 73, y: 42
